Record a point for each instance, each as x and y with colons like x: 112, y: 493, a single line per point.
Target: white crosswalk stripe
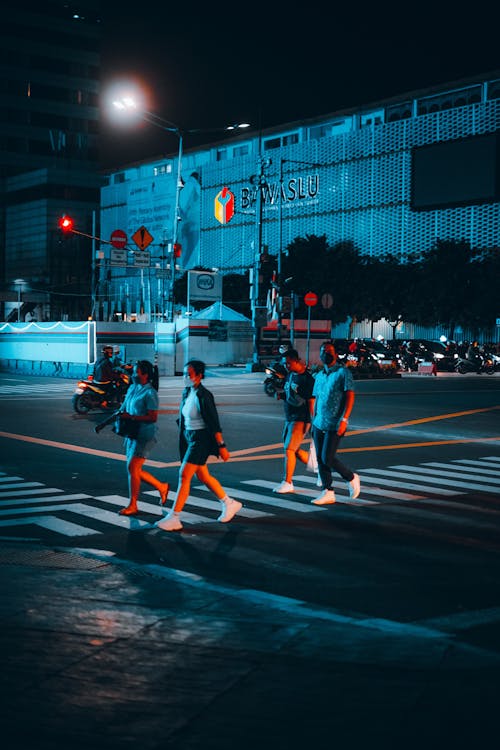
x: 423, y: 490
x: 33, y: 389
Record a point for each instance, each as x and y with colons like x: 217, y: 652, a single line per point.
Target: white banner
x: 204, y: 285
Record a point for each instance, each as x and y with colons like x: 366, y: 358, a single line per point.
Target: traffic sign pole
x: 310, y: 299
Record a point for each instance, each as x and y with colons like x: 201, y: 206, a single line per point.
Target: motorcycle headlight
x: 439, y: 356
x: 268, y: 372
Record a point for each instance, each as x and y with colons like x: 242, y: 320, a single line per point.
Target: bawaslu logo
x: 224, y: 206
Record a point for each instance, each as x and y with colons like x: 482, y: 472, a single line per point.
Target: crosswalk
x: 50, y: 388
x: 432, y: 486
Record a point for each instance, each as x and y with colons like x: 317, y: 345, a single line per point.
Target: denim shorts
x: 138, y: 448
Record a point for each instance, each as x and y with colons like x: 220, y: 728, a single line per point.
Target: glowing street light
x: 130, y: 104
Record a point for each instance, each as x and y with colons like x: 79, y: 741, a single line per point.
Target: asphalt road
x: 424, y: 523
x: 375, y: 621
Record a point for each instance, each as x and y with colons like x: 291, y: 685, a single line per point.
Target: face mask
x: 326, y: 357
x: 136, y: 379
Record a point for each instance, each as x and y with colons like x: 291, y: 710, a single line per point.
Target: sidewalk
x: 101, y: 653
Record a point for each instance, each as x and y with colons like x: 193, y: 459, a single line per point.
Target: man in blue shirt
x: 334, y: 394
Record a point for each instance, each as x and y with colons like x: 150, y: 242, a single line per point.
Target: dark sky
x: 211, y: 64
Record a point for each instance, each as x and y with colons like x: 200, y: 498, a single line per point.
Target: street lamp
x: 129, y: 104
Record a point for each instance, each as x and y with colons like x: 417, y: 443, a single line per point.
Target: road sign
x: 118, y: 257
x: 142, y: 238
x: 311, y: 299
x: 118, y: 239
x: 142, y: 259
x: 327, y: 301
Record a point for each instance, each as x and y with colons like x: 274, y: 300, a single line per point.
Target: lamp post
x: 128, y: 103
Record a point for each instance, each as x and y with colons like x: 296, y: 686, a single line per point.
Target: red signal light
x: 66, y: 223
x: 177, y: 250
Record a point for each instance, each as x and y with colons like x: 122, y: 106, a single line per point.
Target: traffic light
x: 177, y: 249
x: 66, y: 223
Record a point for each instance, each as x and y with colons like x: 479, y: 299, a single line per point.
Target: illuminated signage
x: 295, y: 189
x: 224, y: 206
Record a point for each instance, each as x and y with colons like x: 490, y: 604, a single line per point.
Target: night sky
x: 267, y: 65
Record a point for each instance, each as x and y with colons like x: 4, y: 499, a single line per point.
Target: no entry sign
x: 311, y: 299
x: 118, y: 239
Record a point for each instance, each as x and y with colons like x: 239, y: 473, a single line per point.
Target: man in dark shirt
x: 299, y: 406
x: 105, y: 374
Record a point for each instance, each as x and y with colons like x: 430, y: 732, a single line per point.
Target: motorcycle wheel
x: 82, y: 403
x: 461, y: 369
x: 269, y: 388
x: 489, y: 369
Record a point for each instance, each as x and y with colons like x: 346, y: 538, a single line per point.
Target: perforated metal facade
x: 363, y: 193
x: 347, y: 176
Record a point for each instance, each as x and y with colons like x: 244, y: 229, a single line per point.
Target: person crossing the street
x: 334, y: 400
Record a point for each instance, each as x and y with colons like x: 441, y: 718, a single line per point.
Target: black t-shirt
x: 298, y: 391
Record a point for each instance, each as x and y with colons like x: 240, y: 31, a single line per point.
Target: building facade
x: 363, y: 176
x: 49, y: 161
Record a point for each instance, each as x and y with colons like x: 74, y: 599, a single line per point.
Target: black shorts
x: 199, y: 447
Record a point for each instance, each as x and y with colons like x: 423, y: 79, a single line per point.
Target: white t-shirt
x: 191, y: 413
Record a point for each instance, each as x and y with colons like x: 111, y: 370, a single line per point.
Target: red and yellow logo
x: 224, y: 206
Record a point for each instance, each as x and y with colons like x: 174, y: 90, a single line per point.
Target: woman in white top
x: 200, y: 435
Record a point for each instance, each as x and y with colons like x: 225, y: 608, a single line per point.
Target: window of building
x: 162, y: 169
x: 241, y: 150
x: 221, y: 154
x: 371, y: 118
x: 119, y: 177
x: 287, y: 139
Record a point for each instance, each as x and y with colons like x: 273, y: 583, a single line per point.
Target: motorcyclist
x: 106, y: 375
x: 473, y: 354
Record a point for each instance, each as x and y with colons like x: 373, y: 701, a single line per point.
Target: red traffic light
x: 66, y: 223
x: 177, y: 249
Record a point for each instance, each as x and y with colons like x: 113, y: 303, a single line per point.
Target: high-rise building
x: 49, y: 122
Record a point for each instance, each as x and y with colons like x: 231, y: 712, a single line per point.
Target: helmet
x: 283, y: 348
x: 116, y: 349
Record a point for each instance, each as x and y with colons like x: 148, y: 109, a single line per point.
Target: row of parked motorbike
x: 405, y: 359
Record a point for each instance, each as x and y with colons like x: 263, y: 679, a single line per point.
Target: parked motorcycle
x: 90, y: 394
x: 481, y: 364
x: 275, y: 380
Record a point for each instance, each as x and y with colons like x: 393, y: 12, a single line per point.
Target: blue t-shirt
x: 329, y: 391
x: 139, y: 400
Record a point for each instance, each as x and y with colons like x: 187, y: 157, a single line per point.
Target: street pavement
x: 99, y: 652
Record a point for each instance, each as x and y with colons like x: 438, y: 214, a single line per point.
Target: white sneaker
x: 169, y: 523
x: 319, y: 482
x: 229, y: 510
x: 284, y: 487
x: 327, y: 497
x: 354, y: 487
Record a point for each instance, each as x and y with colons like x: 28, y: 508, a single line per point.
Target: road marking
x: 52, y: 523
x: 42, y: 491
x: 444, y: 478
x: 148, y: 508
x: 279, y: 502
x: 54, y: 498
x: 22, y: 504
x: 393, y: 494
x: 365, y: 477
x: 202, y: 502
x: 476, y: 463
x: 345, y: 499
x: 467, y: 471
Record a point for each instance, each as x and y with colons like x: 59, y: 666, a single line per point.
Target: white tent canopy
x: 218, y: 311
